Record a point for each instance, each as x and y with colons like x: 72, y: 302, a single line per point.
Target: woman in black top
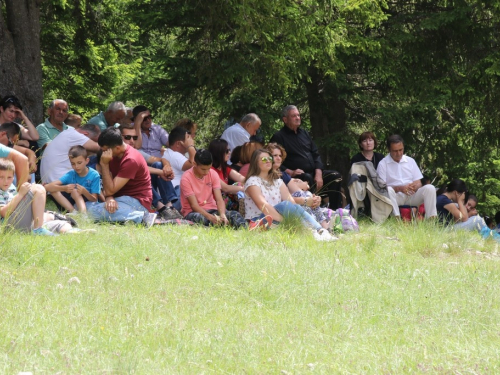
x: 367, y: 144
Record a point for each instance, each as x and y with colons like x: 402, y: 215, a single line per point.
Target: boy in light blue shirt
x: 82, y: 184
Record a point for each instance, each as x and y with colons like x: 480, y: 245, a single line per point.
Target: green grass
x: 186, y: 300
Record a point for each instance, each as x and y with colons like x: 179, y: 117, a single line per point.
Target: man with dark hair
x: 180, y: 143
x: 201, y: 196
x: 161, y: 178
x: 154, y: 137
x: 114, y: 114
x: 55, y: 162
x: 303, y: 160
x: 403, y: 179
x: 126, y: 182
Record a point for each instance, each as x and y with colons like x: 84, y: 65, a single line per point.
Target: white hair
x: 116, y: 106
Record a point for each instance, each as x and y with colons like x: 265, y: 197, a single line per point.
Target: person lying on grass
x: 23, y: 210
x: 201, y: 196
x: 450, y: 203
x: 455, y: 207
x: 268, y: 199
x: 80, y: 185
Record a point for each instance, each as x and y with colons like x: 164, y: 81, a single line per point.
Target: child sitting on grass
x: 82, y: 184
x: 300, y: 188
x: 201, y: 196
x: 24, y: 210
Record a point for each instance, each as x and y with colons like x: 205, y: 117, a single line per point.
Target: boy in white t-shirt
x: 179, y: 143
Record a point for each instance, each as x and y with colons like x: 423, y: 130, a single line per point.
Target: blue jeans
x: 177, y: 201
x: 164, y: 189
x: 129, y: 209
x: 287, y: 208
x: 473, y: 223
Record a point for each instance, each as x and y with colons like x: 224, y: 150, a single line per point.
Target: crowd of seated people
x: 121, y: 167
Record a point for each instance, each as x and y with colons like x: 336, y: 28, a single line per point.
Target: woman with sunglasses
x: 220, y: 155
x: 268, y: 199
x: 10, y: 110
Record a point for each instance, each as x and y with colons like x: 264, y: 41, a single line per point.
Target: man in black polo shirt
x: 303, y: 160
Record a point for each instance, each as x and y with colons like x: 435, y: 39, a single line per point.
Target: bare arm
x: 235, y: 176
x: 57, y: 185
x: 230, y: 189
x: 221, y: 207
x: 22, y: 167
x: 459, y: 213
x: 30, y: 155
x: 166, y: 172
x: 29, y: 132
x: 110, y: 185
x: 11, y: 206
x: 197, y: 208
x: 137, y: 126
x: 91, y: 146
x: 256, y: 195
x: 84, y: 192
x: 189, y: 144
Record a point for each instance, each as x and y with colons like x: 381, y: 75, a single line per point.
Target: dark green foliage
x: 427, y: 70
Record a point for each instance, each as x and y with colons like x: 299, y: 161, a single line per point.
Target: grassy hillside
x: 391, y: 299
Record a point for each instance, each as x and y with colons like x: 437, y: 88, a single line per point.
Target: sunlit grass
x: 396, y: 298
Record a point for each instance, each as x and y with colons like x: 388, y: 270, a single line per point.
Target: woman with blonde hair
x: 267, y: 197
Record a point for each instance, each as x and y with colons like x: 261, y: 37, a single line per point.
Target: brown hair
x: 276, y: 146
x: 72, y: 119
x: 247, y: 151
x: 367, y: 135
x: 186, y: 123
x: 254, y: 169
x: 77, y: 151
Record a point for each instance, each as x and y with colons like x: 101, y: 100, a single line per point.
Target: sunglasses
x: 266, y: 159
x: 228, y: 151
x: 129, y: 137
x: 14, y: 102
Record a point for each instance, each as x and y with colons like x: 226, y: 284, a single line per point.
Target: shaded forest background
x: 428, y: 70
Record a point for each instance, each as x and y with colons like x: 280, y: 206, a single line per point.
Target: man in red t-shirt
x: 126, y: 182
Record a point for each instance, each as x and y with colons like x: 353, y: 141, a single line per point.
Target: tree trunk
x: 20, y: 57
x: 328, y: 122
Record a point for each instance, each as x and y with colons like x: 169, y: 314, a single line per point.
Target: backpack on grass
x: 342, y: 221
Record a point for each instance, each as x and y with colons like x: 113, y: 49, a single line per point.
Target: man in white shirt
x: 238, y: 134
x: 402, y: 176
x: 179, y: 143
x: 55, y: 162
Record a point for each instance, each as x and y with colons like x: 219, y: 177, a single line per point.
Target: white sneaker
x: 149, y: 219
x: 323, y: 235
x: 317, y: 236
x: 327, y: 235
